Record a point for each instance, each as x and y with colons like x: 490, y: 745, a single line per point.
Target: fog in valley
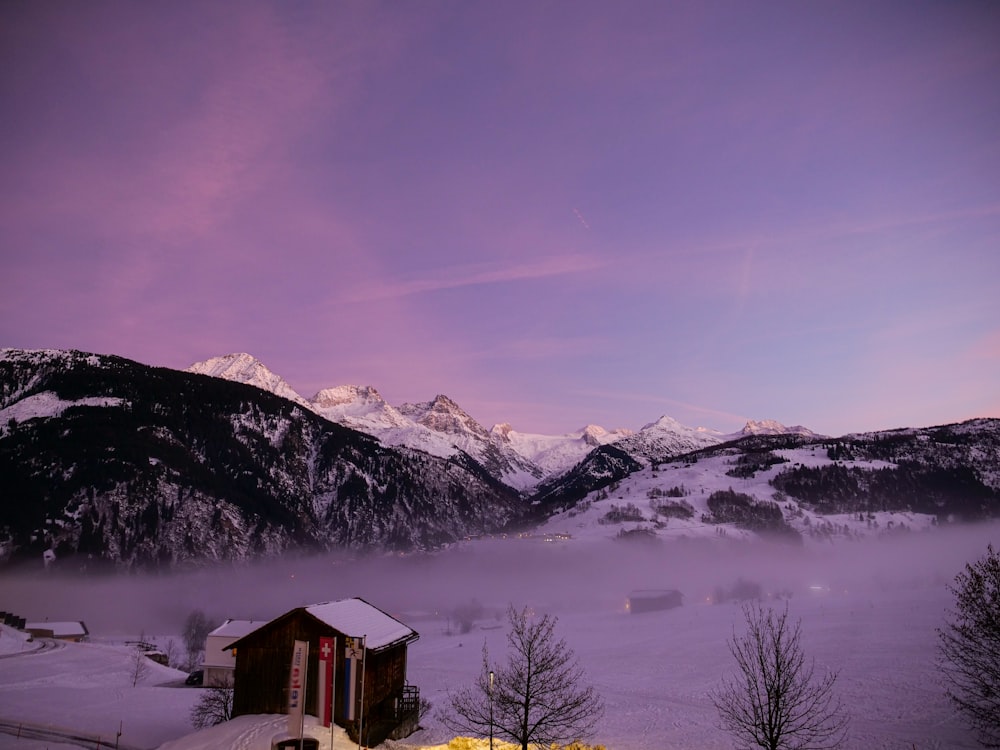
x: 559, y: 577
x: 869, y: 610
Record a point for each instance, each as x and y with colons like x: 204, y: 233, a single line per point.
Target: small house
x: 219, y: 663
x: 385, y: 705
x: 651, y: 600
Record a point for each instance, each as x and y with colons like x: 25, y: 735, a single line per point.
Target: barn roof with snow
x: 73, y: 629
x: 356, y: 618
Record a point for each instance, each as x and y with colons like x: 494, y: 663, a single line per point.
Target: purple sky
x: 554, y: 213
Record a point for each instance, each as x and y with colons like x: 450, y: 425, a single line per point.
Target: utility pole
x: 361, y: 710
x: 491, y: 709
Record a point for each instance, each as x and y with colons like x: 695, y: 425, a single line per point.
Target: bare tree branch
x: 214, y: 706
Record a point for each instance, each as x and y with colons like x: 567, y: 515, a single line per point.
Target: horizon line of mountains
x: 106, y: 461
x: 441, y: 427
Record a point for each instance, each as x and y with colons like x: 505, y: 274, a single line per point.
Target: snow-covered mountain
x: 554, y: 454
x: 442, y: 428
x: 439, y: 426
x: 666, y: 438
x: 244, y: 368
x: 770, y: 427
x: 108, y: 460
x: 788, y: 485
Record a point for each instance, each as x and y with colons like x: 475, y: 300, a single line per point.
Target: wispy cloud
x: 476, y: 275
x: 674, y: 403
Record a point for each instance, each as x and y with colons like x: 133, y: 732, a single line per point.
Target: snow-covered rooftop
x: 237, y: 628
x: 59, y: 629
x: 356, y: 617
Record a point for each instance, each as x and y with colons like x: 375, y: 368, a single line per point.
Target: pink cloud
x: 986, y: 348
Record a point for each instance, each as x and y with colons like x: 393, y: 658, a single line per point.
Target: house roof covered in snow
x: 237, y: 628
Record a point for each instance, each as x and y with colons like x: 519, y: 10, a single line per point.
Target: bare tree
x: 537, y: 698
x: 196, y: 629
x: 777, y: 700
x: 172, y: 652
x: 214, y: 706
x: 138, y: 665
x: 970, y: 646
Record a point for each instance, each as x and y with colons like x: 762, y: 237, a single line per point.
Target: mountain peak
x: 666, y: 422
x: 773, y: 427
x: 594, y: 435
x: 502, y: 431
x: 245, y: 368
x: 443, y: 403
x: 444, y: 415
x: 347, y: 394
x: 667, y: 437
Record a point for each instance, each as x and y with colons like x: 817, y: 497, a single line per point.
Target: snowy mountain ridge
x: 442, y: 428
x: 111, y: 461
x: 244, y: 368
x: 771, y: 427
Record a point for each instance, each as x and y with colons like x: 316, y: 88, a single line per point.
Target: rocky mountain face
x: 108, y: 460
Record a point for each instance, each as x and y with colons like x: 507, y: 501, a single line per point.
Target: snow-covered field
x: 868, y: 609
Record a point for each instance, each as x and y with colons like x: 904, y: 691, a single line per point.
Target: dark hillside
x: 179, y: 467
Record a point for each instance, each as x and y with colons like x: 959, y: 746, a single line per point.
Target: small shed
x: 651, y: 600
x: 73, y: 630
x: 220, y: 662
x: 389, y: 706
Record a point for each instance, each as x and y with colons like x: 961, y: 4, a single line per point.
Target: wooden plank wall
x: 263, y: 662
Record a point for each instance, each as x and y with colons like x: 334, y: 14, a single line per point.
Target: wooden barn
x: 651, y: 600
x: 74, y: 630
x: 263, y: 665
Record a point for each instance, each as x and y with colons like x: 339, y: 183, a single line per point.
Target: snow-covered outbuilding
x: 383, y: 706
x: 220, y: 662
x: 73, y: 630
x: 650, y: 600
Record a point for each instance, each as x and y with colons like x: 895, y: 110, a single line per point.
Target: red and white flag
x: 327, y: 670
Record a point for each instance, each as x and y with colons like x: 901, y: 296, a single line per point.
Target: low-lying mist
x: 557, y: 577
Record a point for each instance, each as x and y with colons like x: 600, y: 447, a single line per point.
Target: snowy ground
x: 868, y: 609
x: 53, y: 689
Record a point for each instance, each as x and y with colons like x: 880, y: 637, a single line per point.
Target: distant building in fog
x: 650, y: 600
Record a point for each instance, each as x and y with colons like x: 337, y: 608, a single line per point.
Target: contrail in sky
x: 582, y: 220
